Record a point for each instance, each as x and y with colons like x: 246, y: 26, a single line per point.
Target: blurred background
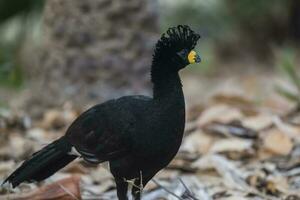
x: 59, y: 57
x: 56, y: 51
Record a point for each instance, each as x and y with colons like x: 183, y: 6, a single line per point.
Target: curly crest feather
x: 175, y: 40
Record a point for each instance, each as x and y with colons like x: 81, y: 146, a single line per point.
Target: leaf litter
x: 233, y: 149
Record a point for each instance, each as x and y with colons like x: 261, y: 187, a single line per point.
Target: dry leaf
x: 232, y: 99
x: 258, y: 122
x: 6, y: 167
x: 52, y: 118
x: 246, y: 105
x: 231, y: 144
x: 181, y: 165
x: 100, y: 174
x: 231, y: 129
x: 65, y: 189
x: 194, y: 112
x: 203, y: 163
x: 38, y: 134
x: 219, y: 113
x: 292, y: 197
x: 290, y: 130
x: 196, y: 142
x: 235, y: 198
x: 277, y: 142
x: 263, y: 185
x: 18, y: 146
x: 75, y: 168
x: 56, y: 118
x: 89, y: 186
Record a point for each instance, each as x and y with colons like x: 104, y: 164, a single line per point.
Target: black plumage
x: 138, y: 135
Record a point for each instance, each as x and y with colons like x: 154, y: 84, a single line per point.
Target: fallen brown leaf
x: 263, y: 185
x: 219, y: 113
x: 277, y: 142
x: 258, y: 122
x: 245, y: 104
x: 231, y: 144
x: 234, y: 128
x: 197, y: 142
x: 65, y: 189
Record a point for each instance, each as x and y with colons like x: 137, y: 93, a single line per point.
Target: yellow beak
x: 193, y: 57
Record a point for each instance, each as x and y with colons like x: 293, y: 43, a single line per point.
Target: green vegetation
x: 287, y: 66
x: 231, y: 29
x: 237, y: 29
x: 16, y: 18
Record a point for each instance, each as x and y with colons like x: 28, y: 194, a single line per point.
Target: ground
x: 241, y: 142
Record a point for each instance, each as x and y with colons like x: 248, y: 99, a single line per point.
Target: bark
x: 94, y: 50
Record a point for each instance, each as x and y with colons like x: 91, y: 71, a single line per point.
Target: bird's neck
x: 170, y: 88
x: 166, y: 85
x: 169, y: 101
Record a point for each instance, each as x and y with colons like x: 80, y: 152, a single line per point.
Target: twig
x: 189, y: 192
x: 131, y: 182
x: 64, y: 189
x: 167, y: 190
x: 67, y: 191
x: 184, y: 185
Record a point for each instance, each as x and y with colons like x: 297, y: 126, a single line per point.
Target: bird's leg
x: 138, y: 186
x: 141, y: 183
x: 122, y: 187
x: 136, y: 190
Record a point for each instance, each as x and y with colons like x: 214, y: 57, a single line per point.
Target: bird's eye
x: 183, y: 54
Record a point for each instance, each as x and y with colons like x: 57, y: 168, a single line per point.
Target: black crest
x: 175, y: 40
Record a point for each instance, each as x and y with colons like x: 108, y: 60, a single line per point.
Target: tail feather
x: 43, y: 163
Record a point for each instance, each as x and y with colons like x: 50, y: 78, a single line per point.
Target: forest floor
x: 242, y: 141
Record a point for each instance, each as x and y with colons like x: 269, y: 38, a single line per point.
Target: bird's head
x: 175, y: 49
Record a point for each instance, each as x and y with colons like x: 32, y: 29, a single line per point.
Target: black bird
x: 137, y: 135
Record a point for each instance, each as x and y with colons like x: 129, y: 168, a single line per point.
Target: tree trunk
x: 94, y: 50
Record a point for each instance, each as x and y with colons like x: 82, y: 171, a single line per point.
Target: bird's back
x: 108, y: 128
